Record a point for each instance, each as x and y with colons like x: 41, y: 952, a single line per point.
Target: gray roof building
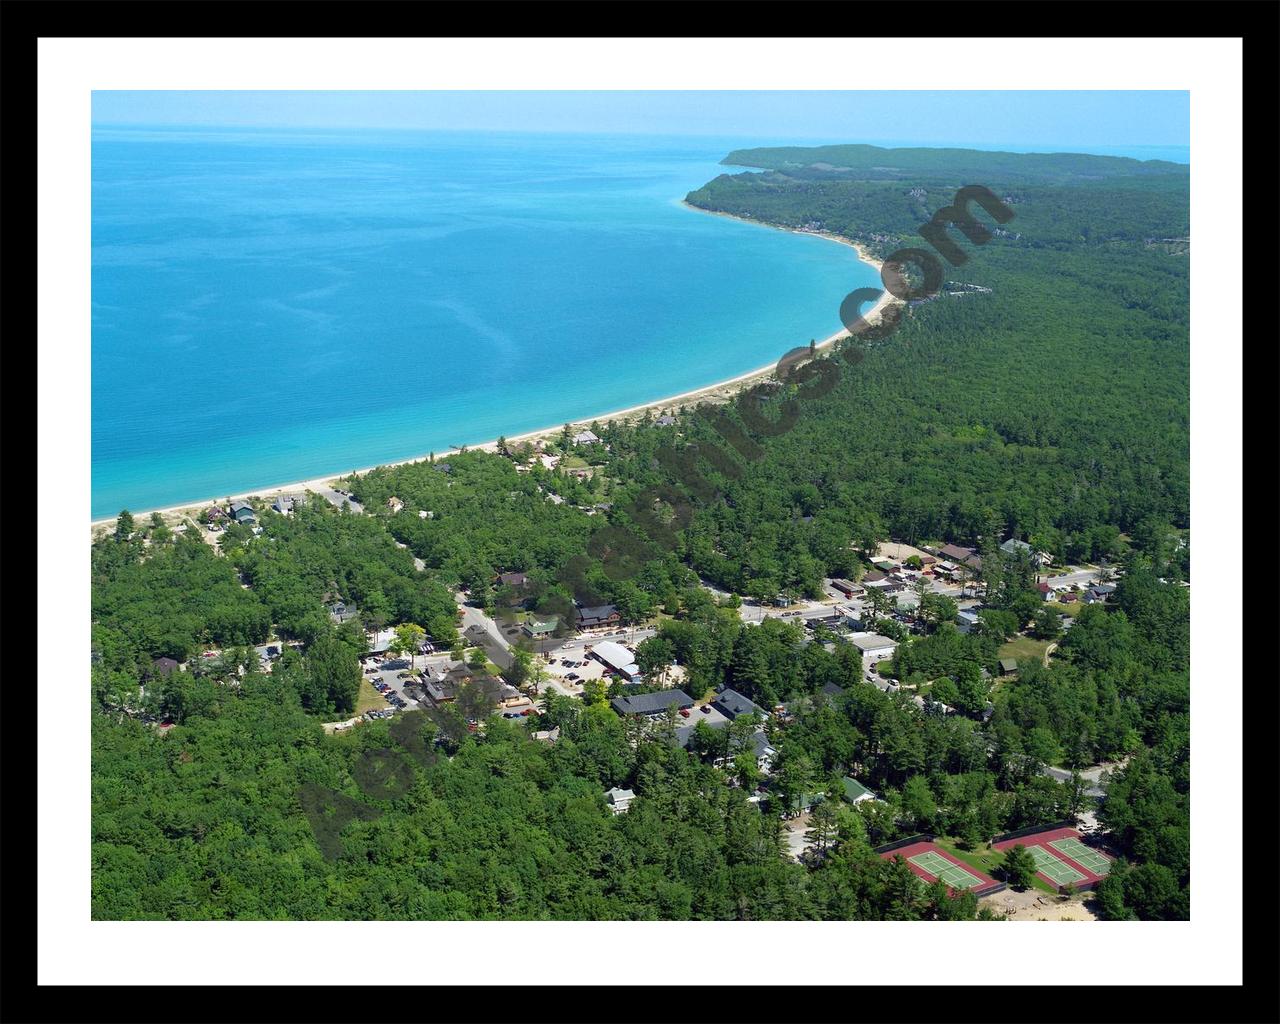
x: 651, y: 703
x: 731, y: 704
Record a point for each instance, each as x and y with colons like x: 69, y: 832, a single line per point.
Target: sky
x: 973, y: 118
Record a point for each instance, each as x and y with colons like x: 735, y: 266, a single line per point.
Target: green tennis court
x: 941, y: 868
x: 1057, y: 871
x: 1082, y: 855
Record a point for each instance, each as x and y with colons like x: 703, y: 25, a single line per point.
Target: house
x: 539, y: 630
x: 846, y: 587
x: 163, y: 666
x: 547, y: 735
x: 967, y: 620
x: 665, y: 420
x: 242, y: 512
x: 875, y: 578
x: 600, y: 615
x: 340, y: 611
x: 1008, y: 666
x: 549, y: 461
x: 731, y: 704
x: 855, y: 792
x: 618, y: 658
x: 619, y: 799
x: 283, y: 504
x: 1045, y: 591
x: 512, y: 579
x: 765, y: 754
x: 395, y: 504
x: 652, y: 705
x: 1012, y: 547
x: 215, y: 514
x: 832, y: 690
x: 443, y: 467
x: 873, y: 646
x: 955, y: 553
x: 585, y: 437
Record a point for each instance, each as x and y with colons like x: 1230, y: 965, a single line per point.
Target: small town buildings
x: 873, y: 646
x: 537, y: 630
x: 599, y: 615
x: 846, y: 587
x: 619, y: 799
x: 652, y: 705
x: 242, y: 512
x: 732, y: 704
x: 616, y: 657
x: 967, y: 620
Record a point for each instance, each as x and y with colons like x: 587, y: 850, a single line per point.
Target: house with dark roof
x: 731, y: 704
x: 341, y: 611
x: 1008, y: 666
x: 651, y: 705
x: 512, y: 579
x: 599, y: 615
x: 242, y: 512
x: 666, y: 420
x: 765, y: 754
x: 163, y: 666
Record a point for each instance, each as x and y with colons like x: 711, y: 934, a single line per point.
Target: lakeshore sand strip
x: 722, y: 391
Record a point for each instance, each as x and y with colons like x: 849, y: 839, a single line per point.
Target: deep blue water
x: 272, y: 306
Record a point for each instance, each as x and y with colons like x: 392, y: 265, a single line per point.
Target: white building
x: 873, y: 646
x: 619, y: 799
x: 618, y: 658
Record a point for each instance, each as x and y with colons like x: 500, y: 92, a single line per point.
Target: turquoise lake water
x: 273, y: 306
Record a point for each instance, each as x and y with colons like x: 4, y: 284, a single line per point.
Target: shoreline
x: 719, y: 391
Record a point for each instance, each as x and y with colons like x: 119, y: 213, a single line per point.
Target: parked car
x: 511, y: 714
x: 684, y: 712
x: 706, y: 709
x: 526, y: 712
x: 572, y: 675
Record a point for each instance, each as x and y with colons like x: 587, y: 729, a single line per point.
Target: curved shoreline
x: 719, y: 391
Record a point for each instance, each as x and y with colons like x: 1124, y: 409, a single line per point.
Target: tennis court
x: 951, y: 874
x: 1089, y: 859
x: 1059, y: 872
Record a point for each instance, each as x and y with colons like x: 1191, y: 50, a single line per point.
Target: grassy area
x: 368, y: 699
x: 986, y: 860
x: 1073, y: 609
x: 1024, y: 648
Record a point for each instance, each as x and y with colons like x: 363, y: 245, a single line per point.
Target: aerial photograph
x: 640, y: 506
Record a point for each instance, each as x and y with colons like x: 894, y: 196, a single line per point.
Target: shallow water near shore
x: 271, y: 306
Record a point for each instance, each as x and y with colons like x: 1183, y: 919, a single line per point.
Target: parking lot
x: 399, y: 694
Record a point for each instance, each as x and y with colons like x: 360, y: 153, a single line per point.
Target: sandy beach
x: 722, y: 391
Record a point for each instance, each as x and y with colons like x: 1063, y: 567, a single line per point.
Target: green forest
x: 1052, y: 408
